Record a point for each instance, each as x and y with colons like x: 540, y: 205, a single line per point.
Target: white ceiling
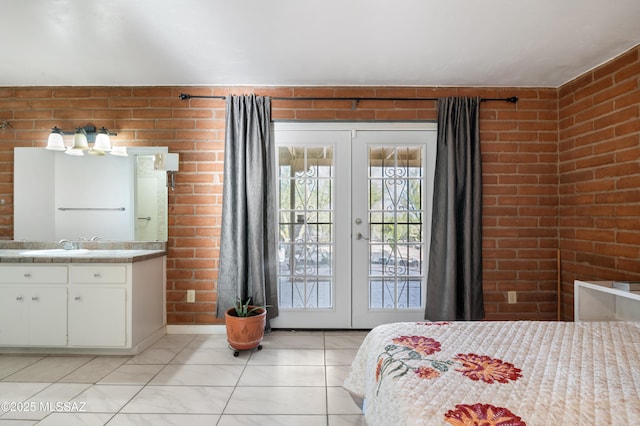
x: 530, y: 43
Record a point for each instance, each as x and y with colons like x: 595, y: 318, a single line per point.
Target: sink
x: 54, y: 252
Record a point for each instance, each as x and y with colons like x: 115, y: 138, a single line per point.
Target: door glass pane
x: 306, y: 213
x: 395, y: 227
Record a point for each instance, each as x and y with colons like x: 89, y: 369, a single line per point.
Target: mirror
x: 59, y: 196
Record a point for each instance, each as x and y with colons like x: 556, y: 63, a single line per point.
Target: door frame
x: 343, y: 202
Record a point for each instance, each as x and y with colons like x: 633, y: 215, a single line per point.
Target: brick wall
x: 599, y: 166
x: 562, y: 167
x: 519, y: 144
x: 520, y: 233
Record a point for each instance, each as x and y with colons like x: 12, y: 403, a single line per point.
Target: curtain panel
x: 248, y: 238
x: 454, y: 284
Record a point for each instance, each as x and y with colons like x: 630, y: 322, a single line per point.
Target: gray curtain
x: 454, y: 284
x: 247, y: 246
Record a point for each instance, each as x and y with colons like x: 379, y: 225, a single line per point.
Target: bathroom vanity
x: 105, y: 301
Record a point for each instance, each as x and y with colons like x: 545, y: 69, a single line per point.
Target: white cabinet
x: 100, y: 274
x: 14, y: 316
x: 83, y: 307
x: 599, y: 301
x: 115, y: 305
x: 98, y: 305
x: 47, y: 316
x: 97, y: 316
x: 33, y: 305
x: 33, y: 274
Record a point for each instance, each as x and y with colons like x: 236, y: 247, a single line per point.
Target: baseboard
x: 196, y: 329
x: 74, y: 350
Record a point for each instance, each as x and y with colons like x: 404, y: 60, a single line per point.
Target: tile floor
x: 188, y: 380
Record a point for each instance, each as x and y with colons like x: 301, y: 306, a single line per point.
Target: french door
x: 354, y: 214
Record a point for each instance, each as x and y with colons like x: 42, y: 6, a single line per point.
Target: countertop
x: 72, y: 256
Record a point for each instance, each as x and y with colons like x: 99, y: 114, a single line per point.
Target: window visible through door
x: 306, y: 215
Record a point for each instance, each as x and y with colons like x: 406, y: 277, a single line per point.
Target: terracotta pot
x: 245, y: 332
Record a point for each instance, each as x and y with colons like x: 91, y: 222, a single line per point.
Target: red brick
x: 528, y: 208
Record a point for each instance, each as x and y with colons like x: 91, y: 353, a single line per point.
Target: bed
x: 499, y: 373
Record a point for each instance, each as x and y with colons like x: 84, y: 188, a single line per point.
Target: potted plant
x: 245, y: 325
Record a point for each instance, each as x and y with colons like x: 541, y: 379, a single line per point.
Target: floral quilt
x: 499, y: 373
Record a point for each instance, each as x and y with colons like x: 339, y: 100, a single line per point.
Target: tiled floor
x: 188, y: 380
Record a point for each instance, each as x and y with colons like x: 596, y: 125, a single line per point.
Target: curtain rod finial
x: 184, y: 96
x: 512, y: 100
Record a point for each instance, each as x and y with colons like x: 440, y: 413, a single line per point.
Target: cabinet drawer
x: 33, y: 274
x: 99, y: 274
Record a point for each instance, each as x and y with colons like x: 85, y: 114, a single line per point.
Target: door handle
x: 359, y: 236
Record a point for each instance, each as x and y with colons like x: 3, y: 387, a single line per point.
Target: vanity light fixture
x: 100, y: 140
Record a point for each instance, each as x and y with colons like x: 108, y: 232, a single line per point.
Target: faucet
x: 68, y: 245
x: 96, y: 238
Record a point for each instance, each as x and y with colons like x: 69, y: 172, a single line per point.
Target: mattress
x: 499, y: 373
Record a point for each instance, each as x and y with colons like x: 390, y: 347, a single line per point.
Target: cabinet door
x: 14, y: 318
x: 47, y: 316
x: 97, y: 316
x: 35, y: 316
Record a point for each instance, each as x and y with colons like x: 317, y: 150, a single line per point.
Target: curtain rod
x: 184, y: 96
